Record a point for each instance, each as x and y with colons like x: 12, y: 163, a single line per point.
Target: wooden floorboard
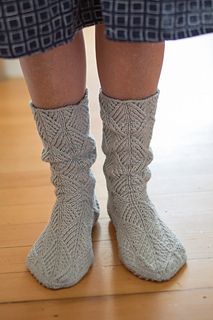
x: 184, y: 305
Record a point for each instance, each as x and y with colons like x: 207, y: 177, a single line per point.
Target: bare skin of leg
x: 57, y: 77
x: 127, y: 70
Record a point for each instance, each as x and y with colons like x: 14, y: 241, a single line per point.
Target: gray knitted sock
x: 147, y: 247
x: 63, y: 253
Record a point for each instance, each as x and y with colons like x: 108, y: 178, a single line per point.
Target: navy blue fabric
x: 157, y: 20
x: 30, y: 26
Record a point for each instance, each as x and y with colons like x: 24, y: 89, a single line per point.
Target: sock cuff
x: 151, y: 97
x: 83, y: 101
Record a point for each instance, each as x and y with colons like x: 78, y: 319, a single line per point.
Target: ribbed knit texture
x: 147, y: 247
x: 63, y: 253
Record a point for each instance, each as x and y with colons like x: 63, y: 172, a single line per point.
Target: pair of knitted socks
x: 63, y: 253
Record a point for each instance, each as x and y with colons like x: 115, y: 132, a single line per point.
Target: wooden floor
x: 181, y: 188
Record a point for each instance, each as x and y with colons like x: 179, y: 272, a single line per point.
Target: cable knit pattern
x: 147, y: 247
x: 63, y: 253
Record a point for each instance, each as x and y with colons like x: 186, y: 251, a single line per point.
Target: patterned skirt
x: 30, y: 26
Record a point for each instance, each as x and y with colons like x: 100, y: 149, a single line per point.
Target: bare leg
x: 63, y: 253
x: 129, y: 75
x: 128, y: 70
x: 57, y: 77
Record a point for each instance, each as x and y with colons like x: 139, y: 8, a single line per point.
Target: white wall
x: 9, y: 68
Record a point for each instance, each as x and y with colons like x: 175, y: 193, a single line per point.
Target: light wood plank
x: 111, y: 280
x: 25, y: 234
x: 184, y: 305
x: 199, y: 247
